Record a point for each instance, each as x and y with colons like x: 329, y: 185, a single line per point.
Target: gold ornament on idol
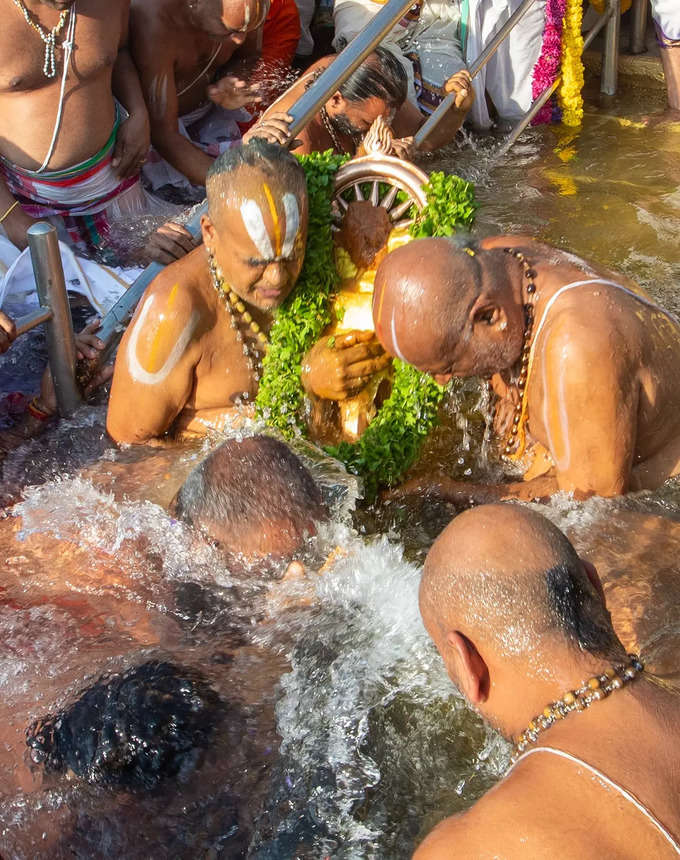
x: 48, y: 37
x: 593, y: 690
x: 236, y: 306
x: 516, y: 439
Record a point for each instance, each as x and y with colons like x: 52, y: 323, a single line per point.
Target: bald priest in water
x: 522, y: 628
x: 585, y: 367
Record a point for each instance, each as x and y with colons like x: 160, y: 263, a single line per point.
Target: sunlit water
x: 342, y: 735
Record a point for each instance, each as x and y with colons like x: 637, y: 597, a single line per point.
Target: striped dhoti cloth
x: 83, y: 201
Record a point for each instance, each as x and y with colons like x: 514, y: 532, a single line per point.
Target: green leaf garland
x: 392, y: 442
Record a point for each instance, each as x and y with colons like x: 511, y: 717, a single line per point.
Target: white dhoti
x: 507, y: 76
x: 211, y: 128
x: 101, y: 285
x: 426, y: 41
x: 666, y: 14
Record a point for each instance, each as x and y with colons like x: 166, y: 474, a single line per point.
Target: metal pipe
x: 610, y: 57
x: 595, y: 29
x: 638, y: 29
x: 519, y: 128
x: 340, y: 69
x: 32, y: 320
x: 489, y: 50
x: 114, y: 322
x: 51, y: 287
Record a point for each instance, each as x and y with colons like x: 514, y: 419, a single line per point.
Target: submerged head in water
x: 133, y: 730
x: 255, y: 499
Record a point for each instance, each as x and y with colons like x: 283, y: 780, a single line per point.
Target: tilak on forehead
x: 378, y: 302
x: 273, y: 247
x: 260, y: 9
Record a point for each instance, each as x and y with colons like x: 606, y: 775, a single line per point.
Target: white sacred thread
x: 136, y: 370
x: 395, y: 342
x: 292, y: 212
x: 254, y: 223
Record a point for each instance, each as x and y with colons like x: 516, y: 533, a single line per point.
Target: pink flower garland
x: 548, y: 66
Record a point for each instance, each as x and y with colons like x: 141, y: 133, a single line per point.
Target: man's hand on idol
x: 339, y: 367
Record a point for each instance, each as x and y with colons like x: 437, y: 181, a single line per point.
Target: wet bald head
x: 510, y: 581
x: 431, y: 297
x: 228, y: 20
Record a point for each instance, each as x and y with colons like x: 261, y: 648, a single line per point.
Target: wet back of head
x: 510, y: 581
x: 254, y: 497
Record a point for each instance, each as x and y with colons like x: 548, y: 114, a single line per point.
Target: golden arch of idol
x: 371, y: 218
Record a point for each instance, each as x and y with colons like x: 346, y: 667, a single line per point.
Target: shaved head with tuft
x: 509, y: 580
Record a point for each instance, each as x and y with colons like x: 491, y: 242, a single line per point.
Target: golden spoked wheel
x: 379, y: 178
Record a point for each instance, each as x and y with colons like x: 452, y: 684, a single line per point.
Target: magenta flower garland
x: 548, y: 66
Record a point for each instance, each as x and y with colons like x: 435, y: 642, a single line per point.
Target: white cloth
x: 101, y: 285
x: 666, y: 13
x: 210, y: 127
x: 433, y: 36
x: 508, y: 74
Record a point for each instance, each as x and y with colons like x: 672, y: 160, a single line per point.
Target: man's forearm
x: 445, y: 132
x: 469, y: 493
x: 125, y: 83
x: 181, y: 153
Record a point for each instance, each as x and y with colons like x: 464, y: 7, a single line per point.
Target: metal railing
x: 638, y: 30
x: 55, y: 311
x: 610, y: 61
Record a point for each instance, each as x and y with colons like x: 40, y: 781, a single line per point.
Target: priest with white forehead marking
x: 193, y: 351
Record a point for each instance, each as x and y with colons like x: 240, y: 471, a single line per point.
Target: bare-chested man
x: 178, y: 46
x: 377, y: 88
x: 67, y: 151
x: 585, y: 367
x: 194, y: 346
x: 522, y: 628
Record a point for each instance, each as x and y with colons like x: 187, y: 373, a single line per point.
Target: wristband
x: 36, y: 412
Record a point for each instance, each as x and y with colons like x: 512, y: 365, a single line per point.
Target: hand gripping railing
x: 610, y: 61
x: 489, y: 50
x: 55, y: 311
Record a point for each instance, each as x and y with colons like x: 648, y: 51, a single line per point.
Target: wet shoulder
x: 538, y: 811
x: 173, y: 312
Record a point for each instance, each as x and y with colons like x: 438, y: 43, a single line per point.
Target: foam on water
x: 366, y: 682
